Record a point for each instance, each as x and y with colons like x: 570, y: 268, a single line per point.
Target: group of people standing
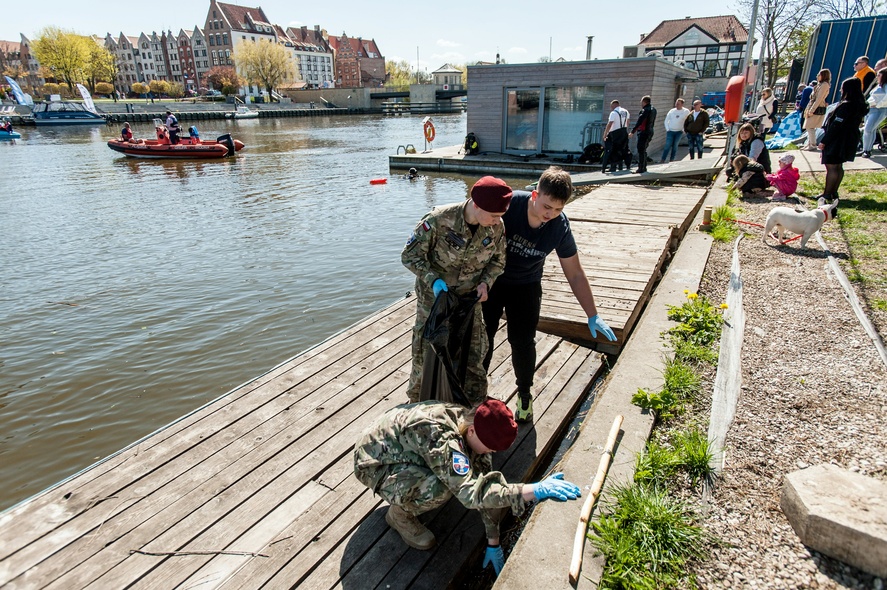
x: 863, y: 97
x: 488, y: 250
x: 678, y: 121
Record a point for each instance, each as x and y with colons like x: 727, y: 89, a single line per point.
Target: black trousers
x: 521, y: 304
x: 644, y: 138
x: 616, y: 152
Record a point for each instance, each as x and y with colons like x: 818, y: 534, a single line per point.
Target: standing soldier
x: 418, y: 456
x: 459, y: 247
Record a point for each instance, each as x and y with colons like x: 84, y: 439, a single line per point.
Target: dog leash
x: 761, y: 226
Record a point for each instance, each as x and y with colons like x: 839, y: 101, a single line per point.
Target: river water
x: 135, y: 291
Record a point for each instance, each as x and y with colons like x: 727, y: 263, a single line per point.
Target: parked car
x: 213, y: 93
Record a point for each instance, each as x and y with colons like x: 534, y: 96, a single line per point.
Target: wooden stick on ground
x: 582, y: 527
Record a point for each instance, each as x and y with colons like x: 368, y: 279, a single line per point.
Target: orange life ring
x: 429, y: 131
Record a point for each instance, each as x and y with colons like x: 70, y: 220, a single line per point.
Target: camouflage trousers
x: 475, y: 373
x: 414, y: 488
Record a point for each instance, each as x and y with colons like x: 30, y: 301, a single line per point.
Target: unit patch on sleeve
x: 486, y: 241
x: 426, y: 226
x: 460, y: 463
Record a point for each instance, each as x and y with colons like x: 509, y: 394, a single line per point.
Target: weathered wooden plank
x: 313, y: 437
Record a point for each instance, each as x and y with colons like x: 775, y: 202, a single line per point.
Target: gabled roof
x: 241, y: 17
x: 726, y: 29
x: 358, y: 46
x: 447, y: 69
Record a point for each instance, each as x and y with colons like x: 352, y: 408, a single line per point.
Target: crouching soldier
x: 418, y: 456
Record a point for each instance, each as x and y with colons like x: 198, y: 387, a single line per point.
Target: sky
x: 456, y: 31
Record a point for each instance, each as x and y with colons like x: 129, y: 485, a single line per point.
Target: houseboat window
x: 552, y: 119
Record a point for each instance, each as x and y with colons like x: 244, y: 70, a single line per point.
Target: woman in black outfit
x: 842, y: 135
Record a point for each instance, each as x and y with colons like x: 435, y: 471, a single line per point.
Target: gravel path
x: 814, y: 391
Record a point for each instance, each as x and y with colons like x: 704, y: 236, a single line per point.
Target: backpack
x: 772, y: 114
x: 592, y: 154
x: 471, y: 146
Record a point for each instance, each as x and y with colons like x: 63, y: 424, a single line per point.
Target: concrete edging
x: 541, y: 557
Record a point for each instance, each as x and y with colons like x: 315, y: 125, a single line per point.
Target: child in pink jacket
x: 786, y: 178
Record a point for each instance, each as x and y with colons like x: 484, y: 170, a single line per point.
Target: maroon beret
x: 491, y: 194
x: 494, y: 424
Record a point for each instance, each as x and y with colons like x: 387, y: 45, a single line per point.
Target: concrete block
x: 839, y: 513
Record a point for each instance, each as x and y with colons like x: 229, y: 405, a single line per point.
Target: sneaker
x: 866, y: 154
x: 778, y: 197
x: 524, y: 412
x: 414, y: 533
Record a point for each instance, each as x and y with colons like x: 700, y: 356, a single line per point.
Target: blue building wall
x: 836, y: 44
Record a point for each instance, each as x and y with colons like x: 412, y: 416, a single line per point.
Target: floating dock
x: 255, y: 489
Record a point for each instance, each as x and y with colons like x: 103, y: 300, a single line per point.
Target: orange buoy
x: 428, y: 127
x: 379, y: 181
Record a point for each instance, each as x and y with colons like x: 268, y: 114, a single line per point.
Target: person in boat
x: 126, y: 132
x: 172, y: 125
x: 7, y: 125
x: 194, y: 134
x: 458, y: 247
x: 418, y: 456
x: 535, y: 225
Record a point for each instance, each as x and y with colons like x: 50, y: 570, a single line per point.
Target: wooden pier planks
x: 266, y: 469
x: 624, y: 235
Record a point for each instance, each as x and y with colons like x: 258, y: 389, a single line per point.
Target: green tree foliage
x: 264, y: 64
x: 399, y: 75
x: 63, y: 53
x: 104, y: 88
x: 158, y: 86
x: 101, y: 66
x: 224, y: 78
x: 175, y: 90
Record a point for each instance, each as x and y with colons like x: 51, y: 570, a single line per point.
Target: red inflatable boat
x: 186, y: 148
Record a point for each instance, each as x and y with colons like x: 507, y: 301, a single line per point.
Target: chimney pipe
x: 588, y: 47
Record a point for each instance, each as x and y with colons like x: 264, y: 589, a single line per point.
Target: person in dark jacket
x: 694, y: 126
x: 750, y: 178
x: 644, y: 129
x: 752, y: 145
x: 841, y: 137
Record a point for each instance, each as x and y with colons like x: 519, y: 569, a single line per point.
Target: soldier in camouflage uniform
x: 418, y: 456
x: 459, y: 247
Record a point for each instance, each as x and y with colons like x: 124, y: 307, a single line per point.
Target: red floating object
x: 379, y: 181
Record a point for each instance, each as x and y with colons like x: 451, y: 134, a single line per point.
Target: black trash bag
x: 447, y: 334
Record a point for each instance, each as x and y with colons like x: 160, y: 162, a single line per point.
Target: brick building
x: 358, y: 63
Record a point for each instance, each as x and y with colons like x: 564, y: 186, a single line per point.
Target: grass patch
x: 649, y: 538
x: 699, y: 321
x: 863, y: 224
x: 723, y: 229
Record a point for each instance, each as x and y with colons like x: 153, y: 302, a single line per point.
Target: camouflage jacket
x: 427, y: 433
x: 443, y: 247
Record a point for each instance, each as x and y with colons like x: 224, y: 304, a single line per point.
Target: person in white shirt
x: 674, y: 129
x: 766, y: 108
x: 616, y: 151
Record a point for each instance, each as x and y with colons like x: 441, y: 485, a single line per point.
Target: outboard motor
x: 228, y: 141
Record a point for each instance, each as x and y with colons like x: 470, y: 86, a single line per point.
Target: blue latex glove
x: 495, y: 556
x: 438, y: 286
x: 596, y: 324
x: 556, y: 488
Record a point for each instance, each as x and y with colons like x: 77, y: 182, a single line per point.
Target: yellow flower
x: 692, y: 296
x: 724, y: 306
x: 686, y: 291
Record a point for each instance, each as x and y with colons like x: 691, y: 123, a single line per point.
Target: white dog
x: 805, y: 223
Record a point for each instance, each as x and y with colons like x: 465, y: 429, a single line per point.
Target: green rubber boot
x: 524, y: 412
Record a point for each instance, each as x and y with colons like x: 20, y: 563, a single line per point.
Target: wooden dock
x: 255, y: 489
